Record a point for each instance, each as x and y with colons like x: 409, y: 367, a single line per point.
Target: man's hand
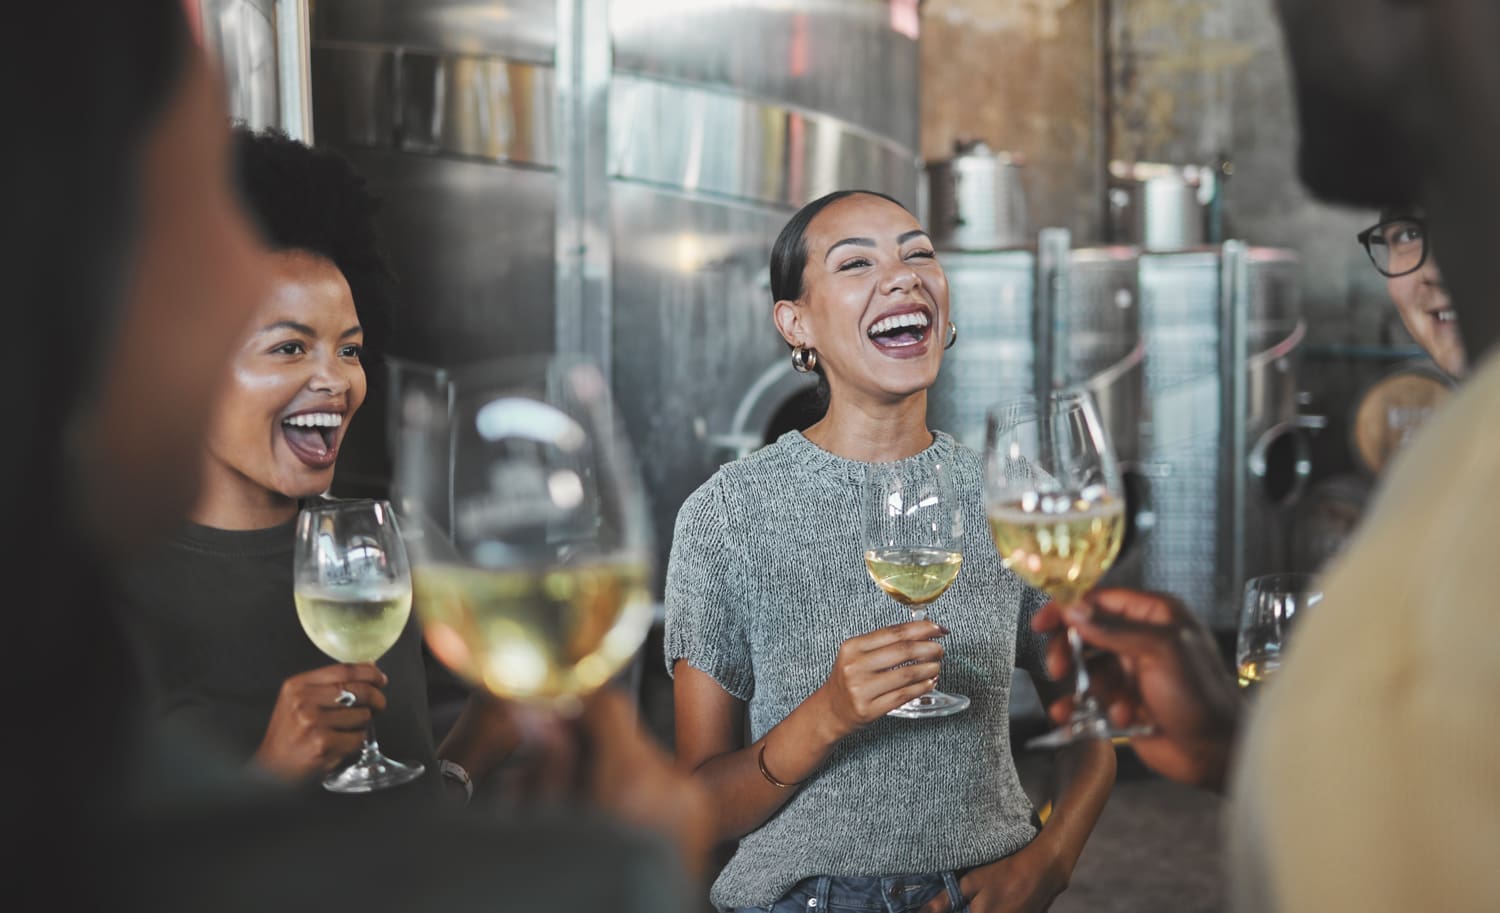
x: 1161, y: 667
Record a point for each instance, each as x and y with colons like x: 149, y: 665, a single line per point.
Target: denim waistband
x: 889, y: 894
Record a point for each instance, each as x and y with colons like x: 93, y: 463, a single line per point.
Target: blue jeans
x: 841, y: 894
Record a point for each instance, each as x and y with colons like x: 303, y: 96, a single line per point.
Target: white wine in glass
x: 1271, y: 604
x: 1056, y: 507
x: 538, y: 587
x: 352, y: 587
x: 914, y: 527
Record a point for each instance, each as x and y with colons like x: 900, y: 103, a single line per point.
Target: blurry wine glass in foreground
x: 914, y: 533
x: 1056, y: 508
x: 352, y: 587
x: 532, y: 552
x: 1271, y: 603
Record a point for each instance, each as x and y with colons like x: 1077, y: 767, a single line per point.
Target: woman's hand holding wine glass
x: 878, y: 672
x: 311, y: 731
x: 352, y: 586
x: 914, y: 532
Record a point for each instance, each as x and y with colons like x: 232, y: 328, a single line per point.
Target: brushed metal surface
x: 705, y: 140
x: 842, y: 57
x: 524, y: 30
x: 692, y: 335
x: 1189, y: 546
x: 241, y: 34
x: 993, y: 301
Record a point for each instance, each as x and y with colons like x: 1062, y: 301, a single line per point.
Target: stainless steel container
x: 976, y: 200
x: 1161, y: 207
x: 607, y: 178
x: 1227, y: 455
x: 1006, y: 333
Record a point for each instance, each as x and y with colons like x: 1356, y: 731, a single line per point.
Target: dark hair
x: 1391, y: 213
x: 313, y: 200
x: 789, y: 253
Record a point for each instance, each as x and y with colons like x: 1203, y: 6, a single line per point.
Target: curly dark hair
x: 312, y: 200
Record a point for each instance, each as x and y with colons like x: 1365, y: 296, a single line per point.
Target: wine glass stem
x: 1082, y: 700
x: 918, y: 613
x: 371, y: 748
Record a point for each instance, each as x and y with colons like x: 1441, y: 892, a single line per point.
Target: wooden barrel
x: 1390, y: 411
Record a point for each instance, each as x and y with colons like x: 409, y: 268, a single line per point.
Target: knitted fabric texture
x: 766, y: 579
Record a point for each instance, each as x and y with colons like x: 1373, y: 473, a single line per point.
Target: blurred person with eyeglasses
x: 1399, y: 248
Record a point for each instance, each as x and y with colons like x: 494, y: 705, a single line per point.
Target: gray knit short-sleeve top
x: 766, y: 579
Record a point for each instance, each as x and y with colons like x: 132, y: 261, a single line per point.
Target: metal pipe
x: 1049, y: 319
x: 584, y: 312
x: 1234, y: 417
x: 294, y: 68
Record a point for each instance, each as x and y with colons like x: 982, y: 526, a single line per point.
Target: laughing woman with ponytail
x: 771, y: 616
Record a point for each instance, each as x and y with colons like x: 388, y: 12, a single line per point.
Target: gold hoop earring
x: 952, y: 335
x: 804, y: 360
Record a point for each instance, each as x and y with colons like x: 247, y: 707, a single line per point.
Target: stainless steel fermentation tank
x: 1039, y: 318
x: 1192, y: 355
x: 1226, y: 452
x: 607, y: 178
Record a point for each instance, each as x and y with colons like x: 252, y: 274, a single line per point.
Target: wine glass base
x: 933, y: 703
x: 1084, y: 728
x: 367, y: 776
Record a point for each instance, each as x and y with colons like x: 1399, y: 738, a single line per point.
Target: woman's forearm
x: 1085, y: 776
x: 791, y: 751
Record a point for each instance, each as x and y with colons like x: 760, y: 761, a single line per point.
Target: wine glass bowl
x: 1055, y: 501
x: 353, y: 591
x: 914, y: 527
x: 1272, y: 602
x: 537, y: 588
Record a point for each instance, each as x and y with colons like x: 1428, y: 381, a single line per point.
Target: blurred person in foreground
x: 121, y: 229
x: 1399, y: 249
x: 1366, y: 777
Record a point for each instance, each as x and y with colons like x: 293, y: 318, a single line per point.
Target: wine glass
x: 1056, y: 508
x: 352, y: 587
x: 914, y: 533
x: 1271, y: 604
x: 533, y: 551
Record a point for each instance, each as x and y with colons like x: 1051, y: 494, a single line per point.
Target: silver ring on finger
x: 346, y: 697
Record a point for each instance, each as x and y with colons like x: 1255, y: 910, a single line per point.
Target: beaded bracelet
x: 761, y: 759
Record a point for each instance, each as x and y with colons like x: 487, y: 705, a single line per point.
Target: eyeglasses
x: 1397, y: 246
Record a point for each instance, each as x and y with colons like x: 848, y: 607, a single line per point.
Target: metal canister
x: 976, y: 200
x: 1162, y: 207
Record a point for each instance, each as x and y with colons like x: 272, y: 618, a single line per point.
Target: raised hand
x: 1161, y: 667
x: 310, y: 731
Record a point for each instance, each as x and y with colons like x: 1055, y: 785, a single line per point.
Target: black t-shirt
x: 215, y: 629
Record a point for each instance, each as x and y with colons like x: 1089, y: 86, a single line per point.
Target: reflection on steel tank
x: 607, y: 178
x: 1227, y: 452
x: 265, y: 67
